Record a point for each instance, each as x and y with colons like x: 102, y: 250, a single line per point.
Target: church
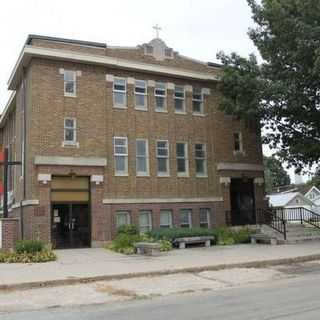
x: 111, y: 135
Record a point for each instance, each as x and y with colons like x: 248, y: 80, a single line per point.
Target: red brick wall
x: 10, y: 233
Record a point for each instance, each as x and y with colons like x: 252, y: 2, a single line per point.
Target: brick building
x: 114, y: 135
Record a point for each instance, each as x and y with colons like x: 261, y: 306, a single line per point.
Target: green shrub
x: 228, y: 236
x: 36, y: 257
x: 166, y: 245
x: 128, y: 229
x: 29, y: 246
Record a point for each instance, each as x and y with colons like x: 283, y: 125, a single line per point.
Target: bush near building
x: 28, y: 251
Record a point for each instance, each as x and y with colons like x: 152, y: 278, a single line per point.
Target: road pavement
x: 293, y: 298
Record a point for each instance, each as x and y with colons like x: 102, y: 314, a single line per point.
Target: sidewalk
x: 81, y: 265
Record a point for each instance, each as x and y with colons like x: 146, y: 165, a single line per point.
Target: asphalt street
x: 291, y: 298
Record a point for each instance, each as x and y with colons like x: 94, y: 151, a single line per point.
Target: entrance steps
x: 296, y: 233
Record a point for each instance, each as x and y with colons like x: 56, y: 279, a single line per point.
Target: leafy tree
x: 284, y: 91
x: 275, y: 175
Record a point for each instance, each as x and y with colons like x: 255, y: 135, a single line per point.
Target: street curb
x: 73, y: 281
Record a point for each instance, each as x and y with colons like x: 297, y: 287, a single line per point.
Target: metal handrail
x: 301, y: 214
x: 273, y: 220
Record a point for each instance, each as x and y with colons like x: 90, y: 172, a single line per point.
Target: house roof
x: 282, y: 199
x: 313, y: 188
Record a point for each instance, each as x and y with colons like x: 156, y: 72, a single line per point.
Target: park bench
x: 182, y: 242
x: 148, y: 248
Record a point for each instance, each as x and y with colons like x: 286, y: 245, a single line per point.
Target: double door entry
x: 70, y: 225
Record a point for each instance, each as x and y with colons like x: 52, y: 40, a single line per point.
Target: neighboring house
x: 313, y: 194
x: 117, y: 135
x: 290, y: 200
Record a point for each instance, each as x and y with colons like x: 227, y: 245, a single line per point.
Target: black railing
x: 271, y: 218
x: 301, y: 215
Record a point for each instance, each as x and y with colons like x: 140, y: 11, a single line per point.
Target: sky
x: 194, y: 28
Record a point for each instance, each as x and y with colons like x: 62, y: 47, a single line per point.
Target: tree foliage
x: 275, y: 175
x: 284, y: 90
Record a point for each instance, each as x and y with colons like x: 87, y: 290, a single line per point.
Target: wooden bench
x: 148, y: 248
x: 182, y: 242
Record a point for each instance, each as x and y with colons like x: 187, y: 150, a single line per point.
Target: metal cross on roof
x: 157, y: 28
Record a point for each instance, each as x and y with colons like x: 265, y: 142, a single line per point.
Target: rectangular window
x: 237, y: 137
x: 70, y: 131
x: 119, y: 92
x: 120, y: 145
x: 197, y: 101
x: 140, y: 92
x: 165, y: 219
x: 204, y: 218
x: 160, y: 94
x: 162, y: 153
x: 201, y: 159
x: 122, y: 218
x: 185, y: 218
x: 145, y: 222
x: 142, y: 157
x: 70, y: 89
x: 179, y: 103
x: 182, y: 159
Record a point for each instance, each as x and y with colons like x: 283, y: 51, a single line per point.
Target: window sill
x: 140, y: 109
x: 181, y: 112
x: 163, y: 175
x: 140, y: 175
x: 201, y: 176
x: 120, y: 107
x: 198, y: 114
x: 70, y: 95
x: 161, y: 111
x: 121, y: 175
x: 183, y: 175
x: 67, y: 144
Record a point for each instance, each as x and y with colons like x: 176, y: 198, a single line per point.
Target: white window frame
x: 145, y: 94
x: 149, y: 225
x: 74, y: 81
x: 183, y: 111
x: 146, y: 157
x: 170, y: 218
x: 115, y: 154
x: 73, y: 128
x: 189, y: 218
x: 163, y: 174
x: 204, y: 159
x: 208, y: 212
x: 115, y: 91
x: 123, y: 212
x: 163, y: 96
x: 201, y: 100
x: 185, y: 158
x: 240, y: 151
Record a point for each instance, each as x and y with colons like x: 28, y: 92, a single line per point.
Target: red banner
x: 1, y: 187
x: 1, y: 156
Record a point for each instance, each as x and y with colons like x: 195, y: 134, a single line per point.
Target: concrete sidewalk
x: 81, y: 265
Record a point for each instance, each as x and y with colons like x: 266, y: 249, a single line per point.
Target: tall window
x: 70, y: 131
x: 122, y: 218
x: 142, y: 158
x: 145, y: 222
x: 120, y: 92
x: 179, y: 103
x: 165, y: 219
x: 204, y: 218
x: 197, y: 101
x: 70, y: 88
x: 140, y: 92
x: 182, y: 158
x: 160, y: 95
x: 201, y: 159
x: 120, y: 145
x: 185, y: 218
x: 237, y: 138
x: 163, y: 157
